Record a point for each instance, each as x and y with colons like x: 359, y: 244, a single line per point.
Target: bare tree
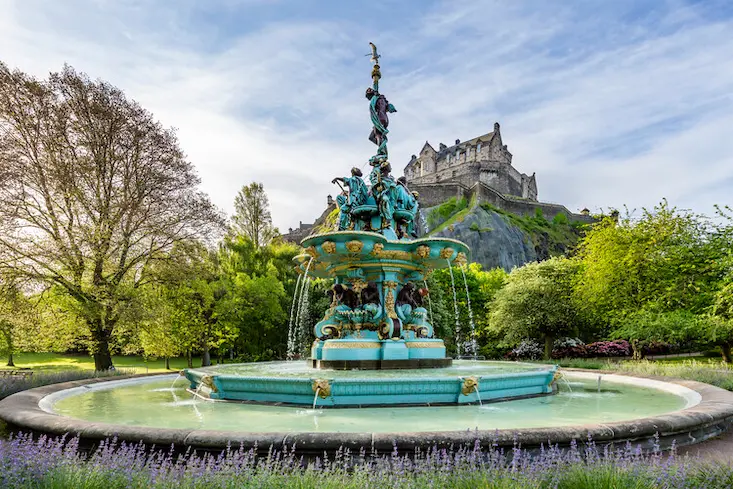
x: 252, y: 214
x: 92, y: 189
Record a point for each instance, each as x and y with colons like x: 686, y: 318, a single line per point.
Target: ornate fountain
x: 376, y: 319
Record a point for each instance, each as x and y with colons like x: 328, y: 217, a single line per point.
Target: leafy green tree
x: 538, y: 302
x: 16, y: 313
x: 664, y: 261
x: 92, y: 191
x: 252, y: 215
x: 645, y: 326
x: 720, y: 326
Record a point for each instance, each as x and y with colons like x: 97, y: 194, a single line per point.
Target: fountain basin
x: 646, y: 411
x: 325, y: 388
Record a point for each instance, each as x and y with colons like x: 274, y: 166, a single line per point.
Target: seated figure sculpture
x: 356, y: 196
x: 411, y: 312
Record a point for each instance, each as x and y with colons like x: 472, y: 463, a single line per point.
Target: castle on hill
x: 483, y: 159
x: 479, y: 168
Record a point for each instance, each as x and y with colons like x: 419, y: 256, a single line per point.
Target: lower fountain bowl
x: 348, y: 389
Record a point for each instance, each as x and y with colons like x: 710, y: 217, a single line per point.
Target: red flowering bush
x: 617, y: 348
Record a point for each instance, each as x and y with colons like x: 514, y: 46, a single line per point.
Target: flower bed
x: 46, y: 462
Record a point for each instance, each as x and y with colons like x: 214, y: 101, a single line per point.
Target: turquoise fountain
x: 376, y: 320
x: 376, y: 349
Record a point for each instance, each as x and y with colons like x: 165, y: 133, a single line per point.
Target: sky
x: 612, y: 104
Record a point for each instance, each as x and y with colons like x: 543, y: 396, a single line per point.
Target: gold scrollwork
x: 322, y: 387
x: 329, y: 247
x: 470, y: 384
x: 460, y: 259
x: 208, y: 381
x: 446, y: 253
x: 422, y: 251
x: 423, y: 344
x: 380, y: 252
x: 311, y: 250
x: 389, y: 298
x: 383, y: 331
x: 352, y: 344
x: 354, y: 246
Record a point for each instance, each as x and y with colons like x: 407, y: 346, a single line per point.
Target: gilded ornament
x: 357, y: 285
x: 418, y: 344
x: 208, y: 381
x: 322, y: 387
x: 470, y: 384
x: 460, y: 259
x: 380, y: 252
x: 446, y: 253
x: 311, y: 250
x: 354, y: 246
x: 329, y: 247
x: 351, y: 344
x: 422, y: 251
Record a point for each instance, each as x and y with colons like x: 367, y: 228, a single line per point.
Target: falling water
x: 315, y: 397
x: 196, y: 395
x: 430, y: 302
x: 291, y: 331
x: 298, y: 305
x: 562, y: 377
x: 478, y: 395
x: 474, y: 345
x: 459, y: 346
x: 303, y: 323
x: 599, y: 384
x: 424, y: 222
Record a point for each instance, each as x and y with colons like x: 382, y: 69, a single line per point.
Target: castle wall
x: 435, y: 194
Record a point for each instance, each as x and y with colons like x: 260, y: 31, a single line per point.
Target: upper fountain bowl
x: 354, y: 253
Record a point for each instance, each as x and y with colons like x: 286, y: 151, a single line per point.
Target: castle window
x: 478, y: 147
x: 454, y: 173
x: 458, y: 155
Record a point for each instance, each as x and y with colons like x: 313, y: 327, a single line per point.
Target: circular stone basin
x: 160, y: 410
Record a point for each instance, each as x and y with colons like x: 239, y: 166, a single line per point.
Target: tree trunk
x: 549, y: 342
x: 206, y: 357
x: 100, y: 347
x: 725, y: 350
x: 10, y: 360
x: 167, y: 363
x: 189, y: 359
x: 636, y: 350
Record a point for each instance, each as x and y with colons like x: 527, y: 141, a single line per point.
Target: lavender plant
x: 57, y: 463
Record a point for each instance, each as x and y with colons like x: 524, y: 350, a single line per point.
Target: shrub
x: 617, y: 348
x: 526, y: 350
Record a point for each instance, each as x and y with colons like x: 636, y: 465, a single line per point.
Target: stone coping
x: 710, y: 417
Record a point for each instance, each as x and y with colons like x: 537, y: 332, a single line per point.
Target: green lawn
x: 54, y: 362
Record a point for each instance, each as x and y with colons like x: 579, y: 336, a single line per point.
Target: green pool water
x: 152, y: 402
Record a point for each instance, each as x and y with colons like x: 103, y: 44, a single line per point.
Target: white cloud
x: 607, y: 111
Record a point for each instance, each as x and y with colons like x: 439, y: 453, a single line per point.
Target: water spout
x: 599, y: 384
x: 430, y: 302
x: 472, y: 343
x: 291, y: 331
x: 459, y: 346
x: 562, y: 377
x: 315, y: 397
x: 478, y: 395
x: 298, y: 305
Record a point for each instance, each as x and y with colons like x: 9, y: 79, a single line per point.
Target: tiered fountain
x: 376, y: 320
x: 375, y: 347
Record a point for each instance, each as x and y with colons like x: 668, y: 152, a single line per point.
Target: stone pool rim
x: 712, y: 416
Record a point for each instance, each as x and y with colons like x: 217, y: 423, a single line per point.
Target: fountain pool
x: 151, y: 402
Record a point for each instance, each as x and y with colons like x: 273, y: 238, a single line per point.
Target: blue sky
x: 611, y: 103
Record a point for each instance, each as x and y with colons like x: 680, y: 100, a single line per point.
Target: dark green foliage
x: 445, y: 211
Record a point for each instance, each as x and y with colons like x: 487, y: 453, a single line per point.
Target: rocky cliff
x: 498, y: 238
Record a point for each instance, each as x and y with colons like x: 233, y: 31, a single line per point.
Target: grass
x: 57, y: 362
x: 707, y: 370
